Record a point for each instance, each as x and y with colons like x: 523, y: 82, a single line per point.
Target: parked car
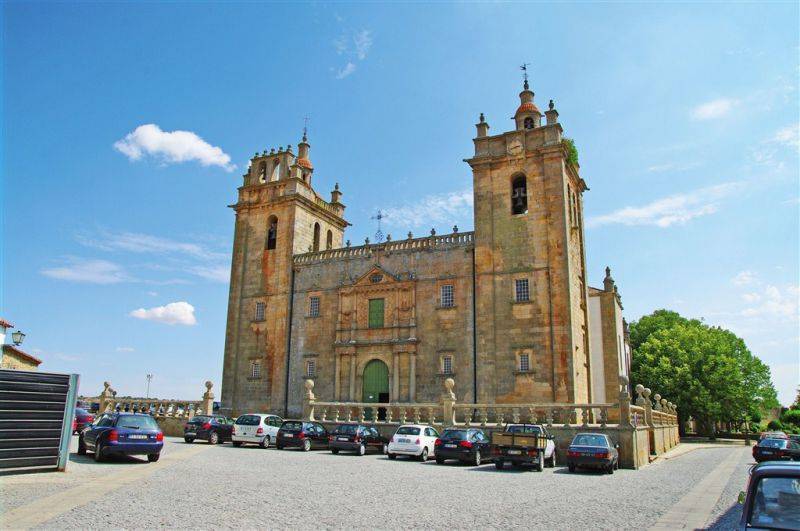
x: 122, y: 434
x: 357, y: 438
x: 414, y: 440
x: 82, y: 419
x: 593, y: 450
x: 256, y: 428
x: 212, y: 428
x: 773, y: 435
x: 772, y: 500
x: 795, y: 437
x: 776, y: 450
x: 523, y: 444
x: 305, y: 435
x: 468, y: 445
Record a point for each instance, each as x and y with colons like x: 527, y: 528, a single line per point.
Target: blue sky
x: 116, y: 237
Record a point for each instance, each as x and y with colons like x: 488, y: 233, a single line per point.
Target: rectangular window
x: 260, y: 307
x: 255, y: 369
x: 376, y: 313
x: 521, y: 290
x: 311, y: 368
x: 447, y: 364
x: 313, y: 306
x: 446, y: 295
x: 524, y: 363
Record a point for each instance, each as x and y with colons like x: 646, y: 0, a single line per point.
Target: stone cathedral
x: 504, y: 310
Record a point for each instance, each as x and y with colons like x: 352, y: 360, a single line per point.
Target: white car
x: 256, y: 428
x: 417, y: 440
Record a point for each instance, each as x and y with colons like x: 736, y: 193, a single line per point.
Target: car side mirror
x: 740, y: 499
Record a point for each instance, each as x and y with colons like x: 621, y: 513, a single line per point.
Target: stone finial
x: 208, y: 395
x: 671, y: 407
x: 640, y: 401
x: 433, y: 232
x: 347, y: 243
x: 309, y: 389
x: 623, y: 384
x: 482, y: 126
x: 366, y: 240
x: 449, y: 383
x: 608, y: 282
x: 280, y: 149
x: 106, y: 386
x: 551, y: 113
x: 336, y: 187
x: 657, y: 398
x: 647, y: 393
x: 551, y: 105
x: 455, y: 228
x: 256, y: 155
x: 410, y: 235
x: 482, y: 119
x: 664, y: 404
x: 289, y: 147
x: 388, y: 238
x: 271, y: 151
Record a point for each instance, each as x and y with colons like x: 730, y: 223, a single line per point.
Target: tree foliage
x: 572, y: 151
x: 707, y: 371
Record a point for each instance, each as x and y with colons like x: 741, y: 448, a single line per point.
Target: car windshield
x: 523, y: 428
x: 776, y: 503
x: 199, y: 419
x: 248, y: 420
x: 346, y: 429
x: 408, y: 430
x: 458, y: 435
x: 773, y: 443
x: 589, y: 439
x: 80, y: 411
x: 137, y: 422
x: 292, y: 426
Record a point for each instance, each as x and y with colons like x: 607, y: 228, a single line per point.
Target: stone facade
x: 504, y: 308
x: 14, y: 358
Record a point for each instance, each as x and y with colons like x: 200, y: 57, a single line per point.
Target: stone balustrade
x: 492, y: 415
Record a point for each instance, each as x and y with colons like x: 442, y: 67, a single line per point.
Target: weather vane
x: 306, y: 119
x: 524, y: 68
x: 379, y: 233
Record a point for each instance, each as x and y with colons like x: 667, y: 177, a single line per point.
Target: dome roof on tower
x: 305, y: 163
x: 527, y: 107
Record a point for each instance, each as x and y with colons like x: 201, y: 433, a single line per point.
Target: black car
x: 772, y: 498
x: 466, y: 445
x: 212, y: 428
x: 305, y: 435
x: 593, y: 450
x: 356, y: 438
x: 776, y: 450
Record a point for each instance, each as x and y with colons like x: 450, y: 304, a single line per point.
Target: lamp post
x: 149, y: 377
x: 17, y: 337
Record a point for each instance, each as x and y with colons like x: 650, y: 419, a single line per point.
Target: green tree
x: 707, y: 371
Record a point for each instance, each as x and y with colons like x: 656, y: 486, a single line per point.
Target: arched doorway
x: 375, y: 386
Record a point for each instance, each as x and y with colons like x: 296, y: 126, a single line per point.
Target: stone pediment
x: 375, y: 277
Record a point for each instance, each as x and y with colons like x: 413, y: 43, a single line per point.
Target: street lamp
x: 17, y: 337
x: 149, y: 377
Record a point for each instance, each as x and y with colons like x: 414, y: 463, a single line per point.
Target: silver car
x: 256, y: 428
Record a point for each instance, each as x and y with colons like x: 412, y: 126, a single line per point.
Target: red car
x: 82, y: 419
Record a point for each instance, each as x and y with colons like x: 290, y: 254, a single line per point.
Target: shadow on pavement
x: 107, y: 460
x: 727, y: 520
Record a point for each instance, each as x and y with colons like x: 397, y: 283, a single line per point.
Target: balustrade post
x: 449, y: 403
x: 648, y: 407
x: 308, y: 401
x: 208, y: 401
x: 624, y: 403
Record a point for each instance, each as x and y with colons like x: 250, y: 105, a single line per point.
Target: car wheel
x: 237, y: 443
x: 391, y: 456
x: 98, y: 452
x: 476, y: 459
x: 306, y: 445
x: 81, y: 446
x: 616, y: 465
x: 278, y: 446
x: 265, y: 442
x: 540, y: 462
x: 440, y: 460
x: 551, y: 463
x: 152, y: 458
x: 213, y: 438
x: 188, y: 440
x: 499, y: 465
x: 610, y: 469
x: 362, y: 450
x: 424, y: 455
x: 334, y: 451
x: 571, y: 467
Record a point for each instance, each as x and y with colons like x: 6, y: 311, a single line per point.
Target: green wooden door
x: 375, y: 385
x: 376, y: 313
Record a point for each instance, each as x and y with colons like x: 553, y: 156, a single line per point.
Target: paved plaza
x: 204, y: 486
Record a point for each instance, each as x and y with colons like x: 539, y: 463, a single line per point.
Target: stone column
x: 208, y: 400
x: 395, y: 377
x: 353, y: 377
x: 336, y: 369
x: 412, y: 377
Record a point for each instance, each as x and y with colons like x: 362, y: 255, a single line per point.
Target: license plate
x: 766, y: 453
x: 515, y: 452
x: 404, y: 440
x: 449, y: 445
x: 190, y: 433
x: 288, y: 435
x: 586, y: 454
x: 137, y: 436
x: 342, y: 439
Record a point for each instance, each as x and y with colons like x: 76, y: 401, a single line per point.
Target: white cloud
x: 659, y: 168
x: 363, y: 42
x: 216, y: 273
x: 88, y: 271
x: 348, y: 69
x: 432, y: 210
x: 171, y: 314
x: 672, y: 210
x: 145, y: 243
x: 774, y: 302
x: 172, y: 147
x: 125, y: 349
x: 788, y: 136
x: 714, y: 109
x: 744, y: 278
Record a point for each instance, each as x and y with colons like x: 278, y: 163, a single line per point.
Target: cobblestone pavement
x: 202, y: 486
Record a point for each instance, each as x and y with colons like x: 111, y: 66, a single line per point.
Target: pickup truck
x: 522, y: 444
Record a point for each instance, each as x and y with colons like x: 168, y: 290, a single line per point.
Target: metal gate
x: 36, y: 412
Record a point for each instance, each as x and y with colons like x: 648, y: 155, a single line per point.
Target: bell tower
x: 278, y: 215
x: 530, y: 291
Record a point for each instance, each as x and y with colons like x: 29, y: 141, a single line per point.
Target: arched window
x: 316, y: 236
x: 275, y: 170
x: 519, y: 195
x: 528, y: 123
x: 272, y: 232
x: 329, y: 240
x: 262, y: 172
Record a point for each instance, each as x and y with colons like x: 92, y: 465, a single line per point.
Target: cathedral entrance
x: 375, y: 387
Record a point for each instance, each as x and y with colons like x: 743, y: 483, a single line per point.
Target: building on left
x: 13, y: 357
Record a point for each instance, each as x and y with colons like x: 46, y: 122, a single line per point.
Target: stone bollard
x: 308, y: 401
x: 208, y: 399
x: 448, y: 403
